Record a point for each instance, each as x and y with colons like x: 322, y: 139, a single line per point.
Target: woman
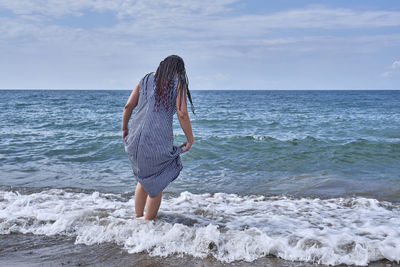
x: 149, y: 142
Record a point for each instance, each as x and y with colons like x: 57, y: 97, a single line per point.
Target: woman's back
x: 149, y: 144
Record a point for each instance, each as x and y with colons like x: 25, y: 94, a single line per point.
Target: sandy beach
x: 31, y: 250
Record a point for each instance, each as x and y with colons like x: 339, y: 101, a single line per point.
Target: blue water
x: 324, y: 143
x: 302, y: 175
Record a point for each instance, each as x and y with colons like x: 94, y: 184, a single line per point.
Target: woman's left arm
x: 130, y: 105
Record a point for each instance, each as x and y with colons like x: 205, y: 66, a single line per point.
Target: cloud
x: 122, y: 8
x: 396, y: 64
x: 210, y: 24
x: 394, y: 69
x: 189, y: 19
x: 206, y: 32
x: 215, y: 13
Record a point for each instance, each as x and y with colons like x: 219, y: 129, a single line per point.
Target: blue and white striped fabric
x: 149, y: 144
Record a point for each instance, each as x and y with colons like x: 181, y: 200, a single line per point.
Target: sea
x: 274, y: 178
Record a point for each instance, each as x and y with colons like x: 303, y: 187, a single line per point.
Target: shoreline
x: 39, y: 250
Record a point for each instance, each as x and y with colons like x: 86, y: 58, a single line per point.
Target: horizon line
x: 85, y: 89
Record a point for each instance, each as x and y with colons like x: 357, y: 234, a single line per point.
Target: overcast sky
x: 226, y: 44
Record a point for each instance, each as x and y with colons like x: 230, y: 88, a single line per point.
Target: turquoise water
x: 324, y: 143
x: 311, y: 176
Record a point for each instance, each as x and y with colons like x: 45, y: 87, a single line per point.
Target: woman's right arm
x: 130, y: 105
x: 184, y: 120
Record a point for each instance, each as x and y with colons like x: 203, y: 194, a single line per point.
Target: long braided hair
x: 164, y: 81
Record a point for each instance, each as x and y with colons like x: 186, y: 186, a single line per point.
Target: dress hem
x: 149, y: 188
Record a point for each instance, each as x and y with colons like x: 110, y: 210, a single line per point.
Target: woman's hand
x: 124, y: 133
x: 183, y: 117
x: 187, y: 146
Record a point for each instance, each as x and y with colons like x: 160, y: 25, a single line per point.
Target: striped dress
x: 149, y: 144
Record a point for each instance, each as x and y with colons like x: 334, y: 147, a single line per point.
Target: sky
x: 226, y: 44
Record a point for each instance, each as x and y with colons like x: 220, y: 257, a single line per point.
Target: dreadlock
x: 164, y: 82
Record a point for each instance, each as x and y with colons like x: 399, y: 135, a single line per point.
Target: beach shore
x: 34, y: 250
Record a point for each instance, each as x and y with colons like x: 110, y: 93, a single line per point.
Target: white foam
x: 226, y: 226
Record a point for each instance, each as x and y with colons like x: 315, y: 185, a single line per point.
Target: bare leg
x: 152, y: 206
x: 140, y: 200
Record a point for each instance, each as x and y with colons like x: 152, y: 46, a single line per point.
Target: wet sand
x: 31, y: 250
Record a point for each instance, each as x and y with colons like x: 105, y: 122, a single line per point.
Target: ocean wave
x: 228, y: 227
x: 347, y: 150
x: 293, y: 138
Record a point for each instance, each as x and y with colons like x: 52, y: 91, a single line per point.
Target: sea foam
x: 228, y: 227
